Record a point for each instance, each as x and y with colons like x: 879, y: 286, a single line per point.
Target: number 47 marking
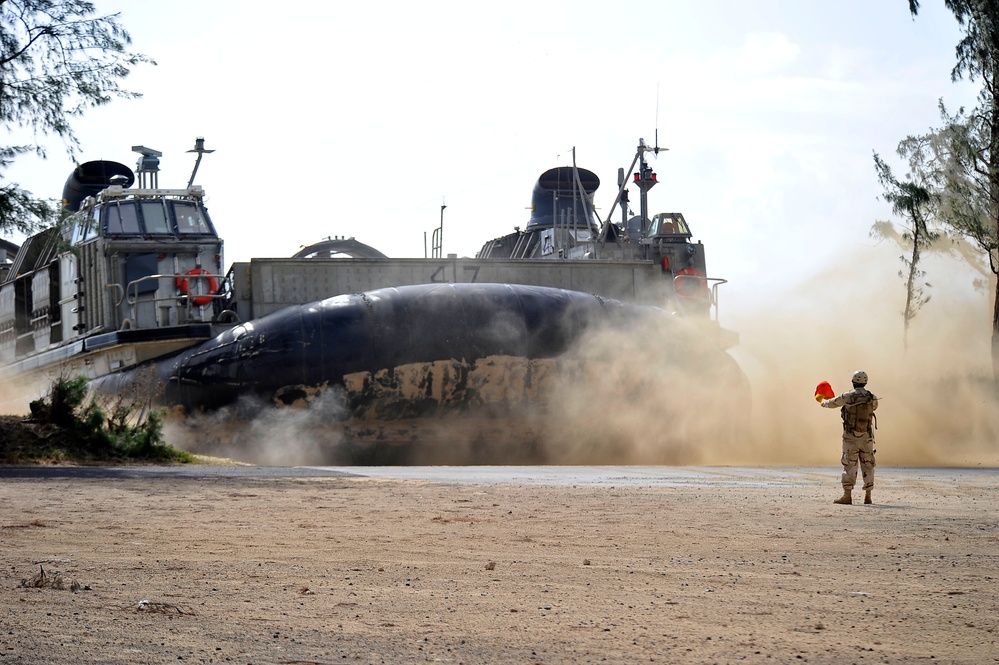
x: 439, y: 276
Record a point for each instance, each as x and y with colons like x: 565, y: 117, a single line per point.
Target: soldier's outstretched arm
x: 834, y: 402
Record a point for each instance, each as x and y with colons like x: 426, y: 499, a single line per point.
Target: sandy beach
x: 729, y: 566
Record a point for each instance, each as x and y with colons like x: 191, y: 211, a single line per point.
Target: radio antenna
x: 656, y: 149
x: 199, y: 147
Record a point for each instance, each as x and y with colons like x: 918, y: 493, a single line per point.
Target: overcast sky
x: 360, y: 119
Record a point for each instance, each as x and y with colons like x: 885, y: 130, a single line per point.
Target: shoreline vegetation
x: 68, y: 425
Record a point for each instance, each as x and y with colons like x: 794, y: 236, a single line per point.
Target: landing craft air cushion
x: 131, y: 284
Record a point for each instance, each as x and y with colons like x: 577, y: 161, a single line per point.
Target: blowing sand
x: 733, y: 566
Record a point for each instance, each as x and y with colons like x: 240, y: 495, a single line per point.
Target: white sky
x: 358, y: 119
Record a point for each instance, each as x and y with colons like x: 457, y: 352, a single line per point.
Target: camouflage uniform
x: 857, y: 408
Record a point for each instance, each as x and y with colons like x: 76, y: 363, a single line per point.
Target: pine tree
x: 964, y: 155
x: 58, y: 58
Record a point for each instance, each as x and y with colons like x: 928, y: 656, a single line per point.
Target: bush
x: 104, y: 427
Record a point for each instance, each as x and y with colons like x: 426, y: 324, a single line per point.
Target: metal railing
x: 129, y: 295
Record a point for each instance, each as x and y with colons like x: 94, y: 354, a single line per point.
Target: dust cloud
x: 13, y: 398
x: 664, y: 395
x: 258, y: 432
x: 660, y: 393
x: 663, y: 392
x: 938, y: 403
x: 634, y: 396
x: 17, y: 394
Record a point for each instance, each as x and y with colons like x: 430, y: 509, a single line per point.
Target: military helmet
x: 860, y: 377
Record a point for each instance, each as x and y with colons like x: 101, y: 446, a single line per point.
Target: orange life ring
x: 196, y: 273
x: 691, y: 283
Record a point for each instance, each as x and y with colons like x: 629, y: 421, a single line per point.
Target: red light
x: 665, y: 264
x: 638, y: 176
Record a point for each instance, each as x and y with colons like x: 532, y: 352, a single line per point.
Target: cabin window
x: 190, y: 221
x: 86, y: 226
x: 669, y: 225
x: 154, y: 217
x: 93, y: 225
x: 79, y: 228
x: 122, y: 219
x: 137, y: 267
x: 79, y: 232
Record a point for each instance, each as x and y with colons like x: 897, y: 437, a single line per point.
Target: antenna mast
x: 199, y: 147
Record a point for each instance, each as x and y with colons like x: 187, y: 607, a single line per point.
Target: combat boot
x: 867, y: 497
x: 846, y: 499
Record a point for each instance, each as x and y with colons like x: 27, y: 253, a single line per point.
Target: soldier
x: 857, y: 408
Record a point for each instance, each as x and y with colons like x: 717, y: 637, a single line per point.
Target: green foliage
x: 969, y: 177
x: 978, y: 51
x: 962, y: 158
x: 58, y: 58
x: 943, y: 161
x: 111, y: 428
x: 916, y: 203
x: 19, y: 210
